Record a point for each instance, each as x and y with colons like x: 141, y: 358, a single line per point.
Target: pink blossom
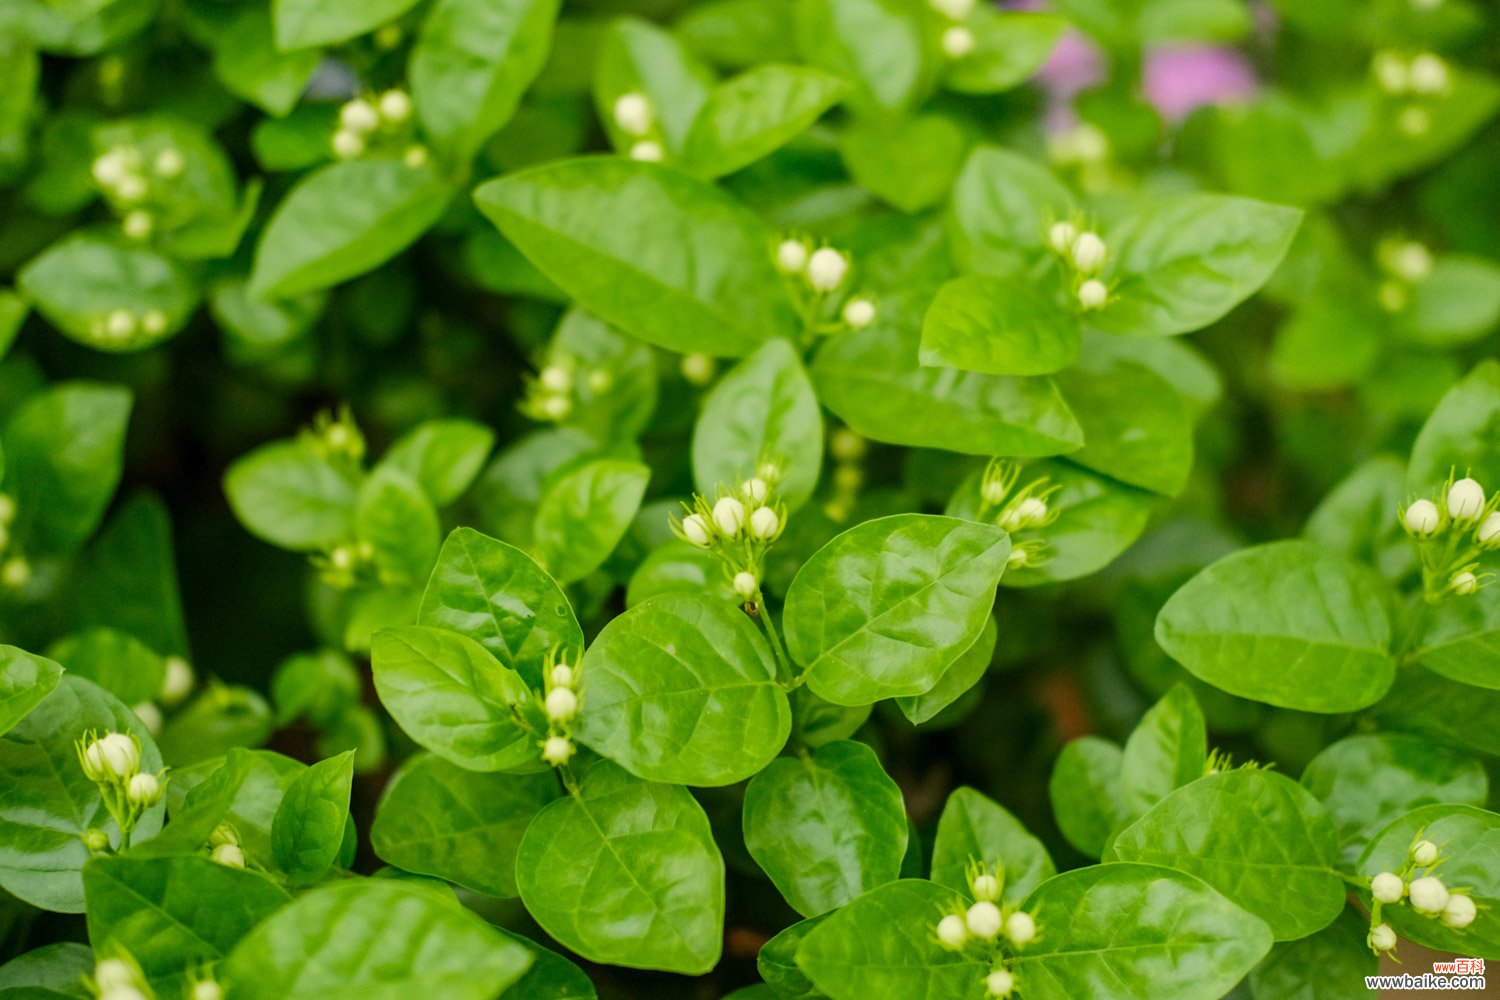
x: 1179, y: 79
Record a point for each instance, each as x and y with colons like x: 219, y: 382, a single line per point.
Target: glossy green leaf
x: 1461, y: 435
x: 289, y: 495
x: 1460, y: 639
x: 884, y: 608
x: 877, y: 44
x: 1008, y: 48
x: 908, y: 163
x: 637, y: 56
x: 827, y: 827
x: 117, y: 662
x: 678, y: 567
x: 304, y: 23
x: 975, y: 828
x: 584, y: 514
x: 128, y: 577
x: 378, y: 937
x: 309, y: 826
x: 763, y: 410
x: 1004, y: 326
x: 958, y: 679
x: 1168, y: 749
x: 1003, y: 204
x: 1256, y: 836
x: 656, y: 253
x: 396, y: 518
x: 1328, y: 965
x: 1136, y: 428
x: 1289, y: 623
x: 451, y: 696
x: 439, y: 819
x: 1457, y: 303
x: 441, y: 456
x: 755, y: 113
x: 1085, y: 793
x: 777, y: 962
x: 51, y: 972
x: 683, y: 689
x: 551, y: 977
x: 24, y: 681
x: 626, y: 872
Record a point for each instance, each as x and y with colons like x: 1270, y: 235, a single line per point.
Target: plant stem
x: 783, y: 662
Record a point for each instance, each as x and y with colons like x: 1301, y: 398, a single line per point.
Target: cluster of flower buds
x: 1084, y: 253
x: 635, y: 116
x: 118, y: 977
x: 336, y: 437
x: 343, y: 566
x: 224, y: 846
x: 551, y: 396
x: 386, y: 119
x: 560, y: 702
x: 739, y: 527
x: 1414, y: 81
x: 1405, y: 263
x: 125, y: 177
x: 121, y: 327
x: 113, y: 763
x: 1451, y: 532
x: 988, y: 925
x: 822, y: 292
x: 848, y: 450
x: 1085, y: 150
x: 957, y: 39
x: 1018, y: 511
x: 1416, y: 885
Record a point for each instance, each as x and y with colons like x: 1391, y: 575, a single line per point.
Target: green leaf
x: 763, y: 410
x: 246, y: 60
x: 1136, y: 427
x: 613, y: 377
x: 472, y: 62
x: 975, y: 828
x: 51, y: 972
x: 683, y: 689
x: 81, y: 282
x: 658, y: 254
x: 1369, y: 780
x: 877, y: 44
x: 1289, y: 623
x: 46, y: 803
x: 441, y: 456
x: 1003, y: 205
x: 958, y: 679
x: 626, y: 872
x: 63, y: 456
x: 498, y: 596
x: 677, y: 567
x: 883, y: 944
x: 323, y: 944
x: 1462, y: 435
x: 777, y: 963
x: 291, y: 496
x: 1168, y: 749
x: 398, y: 520
x: 827, y: 827
x: 1460, y: 639
x: 451, y: 696
x: 201, y: 799
x: 1085, y: 793
x: 117, y: 662
x: 1256, y: 836
x: 872, y: 379
x: 1459, y: 302
x: 301, y: 24
x: 1324, y: 966
x: 636, y: 56
x: 908, y: 163
x: 585, y: 513
x: 127, y: 578
x: 551, y: 977
x: 24, y: 681
x: 1189, y: 260
x: 884, y: 608
x: 437, y: 818
x: 1003, y: 326
x: 1136, y: 932
x: 309, y: 826
x: 174, y: 915
x: 220, y: 718
x: 1008, y: 48
x: 343, y: 220
x: 754, y: 114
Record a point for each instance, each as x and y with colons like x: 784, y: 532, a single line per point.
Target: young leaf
x: 683, y: 689
x: 309, y: 826
x: 975, y: 828
x: 441, y: 456
x: 1168, y: 749
x: 302, y: 24
x: 584, y: 514
x: 1008, y: 48
x: 1289, y: 624
x: 626, y: 872
x: 437, y: 818
x: 398, y: 520
x: 114, y: 660
x: 321, y: 945
x: 1461, y: 639
x: 827, y: 827
x: 884, y: 608
x: 1003, y: 205
x: 1085, y: 793
x: 1461, y: 434
x: 288, y: 495
x: 876, y: 44
x: 1256, y: 836
x: 1136, y: 428
x: 777, y: 963
x: 1003, y: 326
x: 24, y: 681
x: 763, y: 410
x: 754, y: 114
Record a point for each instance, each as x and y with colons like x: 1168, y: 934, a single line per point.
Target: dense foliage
x: 787, y: 499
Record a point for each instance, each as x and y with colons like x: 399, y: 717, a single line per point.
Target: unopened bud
x: 647, y: 151
x: 1488, y: 534
x: 557, y: 750
x: 95, y: 839
x: 229, y: 855
x: 114, y: 974
x: 358, y: 116
x: 154, y: 322
x: 119, y: 324
x: 144, y: 790
x: 347, y: 144
x: 556, y: 378
x: 985, y: 887
x: 562, y: 676
x: 131, y: 188
x: 1088, y: 253
x: 137, y: 224
x: 1465, y: 500
x: 121, y: 755
x: 729, y: 516
x: 1000, y: 984
x: 1464, y: 583
x: 416, y: 156
x: 697, y: 368
x: 395, y: 106
x: 764, y: 523
x: 1092, y: 294
x: 168, y: 163
x: 956, y: 10
x: 696, y: 530
x: 223, y: 834
x: 562, y: 704
x: 791, y: 256
x: 207, y: 989
x: 1061, y: 236
x: 633, y: 114
x: 1428, y: 895
x: 745, y: 584
x: 859, y: 313
x: 1459, y: 912
x: 1429, y: 74
x: 1382, y: 938
x: 983, y: 920
x: 1391, y: 72
x: 826, y: 269
x: 1020, y: 928
x: 952, y: 932
x: 756, y: 489
x: 1421, y: 518
x: 958, y: 42
x: 1424, y: 853
x: 1387, y: 887
x: 150, y: 717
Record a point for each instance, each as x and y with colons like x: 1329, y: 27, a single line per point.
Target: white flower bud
x: 95, y: 840
x: 826, y: 269
x: 556, y: 378
x: 1412, y: 261
x: 562, y: 676
x: 1092, y: 294
x: 697, y: 531
x: 16, y: 572
x: 144, y: 790
x: 1089, y: 252
x: 1020, y: 928
x: 110, y: 168
x: 985, y: 887
x: 1387, y: 888
x: 958, y: 42
x: 395, y: 106
x: 951, y: 932
x: 647, y: 151
x: 729, y: 515
x: 1382, y: 938
x: 229, y: 855
x: 756, y: 489
x: 745, y: 584
x: 1459, y: 912
x: 131, y: 188
x: 633, y: 114
x: 121, y: 755
x: 1000, y: 984
x: 1421, y: 518
x: 557, y: 750
x: 223, y: 834
x: 92, y: 762
x: 150, y: 717
x: 137, y: 224
x: 1429, y: 74
x: 168, y: 163
x: 1391, y: 72
x: 1032, y: 510
x: 697, y: 368
x: 113, y: 974
x: 791, y: 256
x: 207, y: 989
x: 562, y: 704
x: 119, y: 324
x: 359, y: 116
x: 1488, y: 534
x: 847, y: 446
x: 1061, y: 236
x: 764, y: 523
x: 347, y: 145
x: 1464, y: 583
x: 859, y: 313
x: 1428, y: 895
x: 983, y: 920
x: 956, y: 10
x: 1465, y: 500
x: 415, y: 156
x: 770, y: 472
